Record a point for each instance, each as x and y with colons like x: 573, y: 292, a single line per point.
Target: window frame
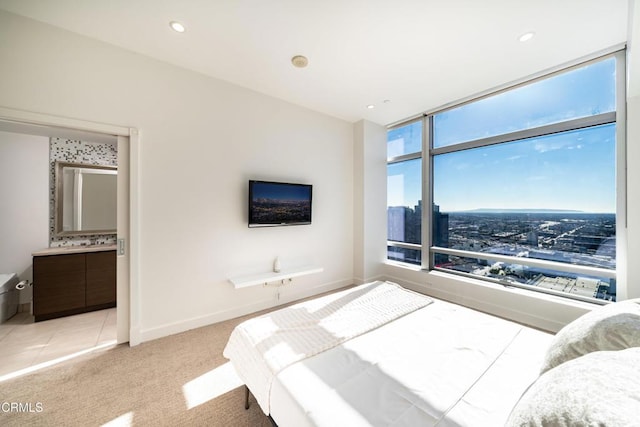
x: 402, y: 159
x: 617, y: 117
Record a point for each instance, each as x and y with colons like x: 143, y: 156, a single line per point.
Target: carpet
x: 140, y: 386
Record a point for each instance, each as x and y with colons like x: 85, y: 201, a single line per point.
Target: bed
x: 381, y: 355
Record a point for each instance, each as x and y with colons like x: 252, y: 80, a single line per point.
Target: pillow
x: 599, y: 389
x: 610, y: 327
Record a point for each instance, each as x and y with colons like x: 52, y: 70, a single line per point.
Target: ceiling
x: 401, y: 56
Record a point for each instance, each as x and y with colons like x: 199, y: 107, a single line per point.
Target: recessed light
x: 526, y: 36
x: 300, y: 61
x: 176, y: 26
x: 371, y: 106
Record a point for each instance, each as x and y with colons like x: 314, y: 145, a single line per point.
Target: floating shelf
x: 269, y: 277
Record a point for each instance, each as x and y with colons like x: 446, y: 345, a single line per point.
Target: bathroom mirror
x: 85, y: 199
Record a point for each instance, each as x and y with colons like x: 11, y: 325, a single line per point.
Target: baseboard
x: 316, y: 290
x: 361, y: 281
x: 143, y: 335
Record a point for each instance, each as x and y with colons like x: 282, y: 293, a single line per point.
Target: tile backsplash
x: 84, y: 152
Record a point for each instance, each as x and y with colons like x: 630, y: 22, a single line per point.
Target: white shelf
x: 270, y: 277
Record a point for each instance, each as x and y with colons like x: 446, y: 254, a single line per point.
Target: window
x: 521, y: 184
x: 404, y: 193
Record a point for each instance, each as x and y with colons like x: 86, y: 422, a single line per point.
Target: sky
x: 573, y: 170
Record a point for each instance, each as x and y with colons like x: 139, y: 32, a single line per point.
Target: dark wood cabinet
x: 73, y: 283
x: 101, y: 278
x: 59, y: 284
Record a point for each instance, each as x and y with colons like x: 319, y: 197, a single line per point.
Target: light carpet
x: 140, y: 386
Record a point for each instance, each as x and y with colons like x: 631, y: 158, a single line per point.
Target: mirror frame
x: 58, y: 197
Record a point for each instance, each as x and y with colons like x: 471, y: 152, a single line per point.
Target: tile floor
x: 25, y: 343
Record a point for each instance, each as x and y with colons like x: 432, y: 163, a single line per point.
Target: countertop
x: 73, y: 250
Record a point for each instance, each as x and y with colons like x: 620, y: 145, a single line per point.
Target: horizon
x: 572, y: 169
x: 575, y: 170
x: 513, y: 210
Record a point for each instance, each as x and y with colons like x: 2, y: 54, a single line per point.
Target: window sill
x: 540, y: 310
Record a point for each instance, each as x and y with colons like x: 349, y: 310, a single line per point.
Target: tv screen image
x: 279, y: 203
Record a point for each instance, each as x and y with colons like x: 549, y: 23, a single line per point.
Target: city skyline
x: 557, y: 237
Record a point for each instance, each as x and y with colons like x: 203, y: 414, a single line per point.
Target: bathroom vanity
x: 72, y: 280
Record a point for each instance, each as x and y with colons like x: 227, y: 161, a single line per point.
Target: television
x: 279, y: 203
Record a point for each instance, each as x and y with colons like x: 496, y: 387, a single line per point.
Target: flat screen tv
x: 279, y: 203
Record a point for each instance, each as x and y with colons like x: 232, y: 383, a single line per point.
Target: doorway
x: 26, y: 123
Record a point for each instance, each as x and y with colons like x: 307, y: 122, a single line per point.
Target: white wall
x: 370, y: 200
x: 24, y: 202
x: 201, y: 141
x: 633, y: 194
x: 633, y: 152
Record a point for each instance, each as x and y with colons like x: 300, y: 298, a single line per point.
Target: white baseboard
x: 143, y: 335
x: 361, y: 281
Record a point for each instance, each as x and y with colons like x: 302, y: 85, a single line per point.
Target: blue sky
x: 573, y: 170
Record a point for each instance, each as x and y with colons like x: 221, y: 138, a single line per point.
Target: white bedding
x: 262, y: 347
x: 443, y: 365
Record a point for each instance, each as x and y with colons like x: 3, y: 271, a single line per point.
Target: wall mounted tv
x: 279, y: 203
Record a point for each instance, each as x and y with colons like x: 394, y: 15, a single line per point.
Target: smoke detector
x: 299, y: 61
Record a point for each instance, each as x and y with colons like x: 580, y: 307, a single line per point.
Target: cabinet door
x: 58, y: 283
x: 101, y: 278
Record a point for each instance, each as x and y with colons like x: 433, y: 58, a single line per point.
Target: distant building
x: 582, y: 286
x: 440, y: 231
x: 395, y: 223
x: 532, y: 238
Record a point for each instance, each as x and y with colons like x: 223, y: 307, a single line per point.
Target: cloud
x: 554, y: 145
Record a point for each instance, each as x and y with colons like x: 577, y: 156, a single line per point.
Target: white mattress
x: 262, y: 347
x: 443, y: 365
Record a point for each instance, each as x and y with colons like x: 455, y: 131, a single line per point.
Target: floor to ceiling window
x: 520, y: 185
x: 404, y: 190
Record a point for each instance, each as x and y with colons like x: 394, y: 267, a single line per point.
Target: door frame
x: 127, y: 294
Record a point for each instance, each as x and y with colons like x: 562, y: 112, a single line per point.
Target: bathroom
x: 31, y: 222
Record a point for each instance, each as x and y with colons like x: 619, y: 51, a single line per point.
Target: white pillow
x: 599, y: 389
x: 611, y: 327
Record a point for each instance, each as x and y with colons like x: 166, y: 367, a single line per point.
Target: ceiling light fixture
x: 371, y: 106
x: 526, y: 36
x: 300, y: 61
x: 177, y: 27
